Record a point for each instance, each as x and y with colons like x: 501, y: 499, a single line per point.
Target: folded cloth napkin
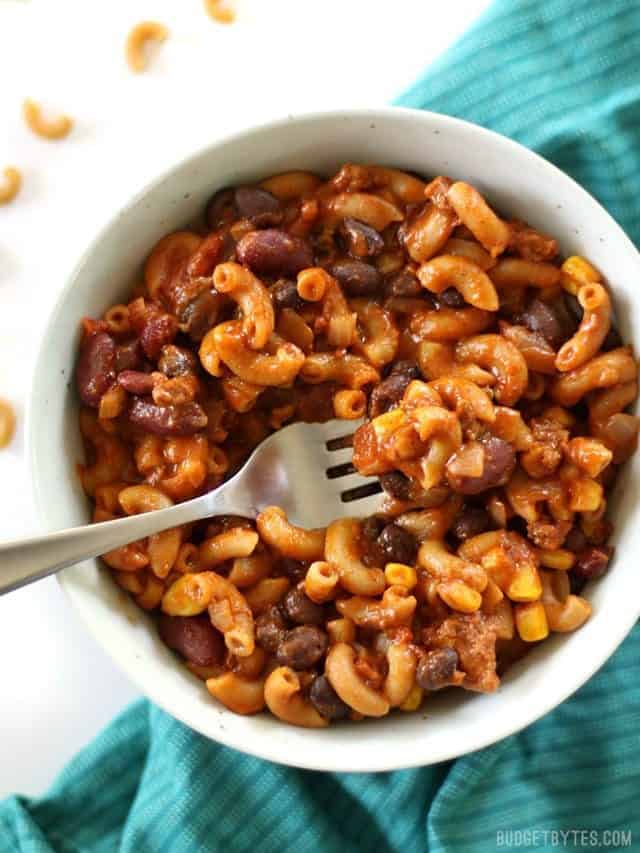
x: 561, y: 76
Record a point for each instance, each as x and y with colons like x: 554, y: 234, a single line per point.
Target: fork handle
x: 23, y: 561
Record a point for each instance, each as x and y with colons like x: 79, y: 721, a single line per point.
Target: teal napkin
x: 561, y: 76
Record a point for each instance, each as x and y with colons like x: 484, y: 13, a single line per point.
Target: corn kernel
x: 585, y: 495
x: 458, y: 596
x: 526, y: 584
x: 413, y: 700
x: 398, y: 574
x: 531, y: 621
x: 560, y: 559
x: 580, y: 270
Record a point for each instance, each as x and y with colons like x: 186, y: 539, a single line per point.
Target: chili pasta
x: 495, y: 391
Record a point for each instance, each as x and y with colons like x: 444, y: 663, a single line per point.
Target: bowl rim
x: 262, y: 747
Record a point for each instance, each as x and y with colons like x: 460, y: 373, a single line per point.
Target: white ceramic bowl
x: 517, y: 181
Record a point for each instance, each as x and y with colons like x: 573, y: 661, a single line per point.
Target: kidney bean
x: 284, y: 294
x: 158, y: 330
x: 274, y: 252
x: 396, y: 484
x: 397, y: 545
x: 592, y: 562
x: 356, y: 277
x: 136, y: 382
x: 302, y: 647
x: 390, y: 390
x: 326, y: 701
x: 362, y: 240
x: 499, y: 462
x: 259, y: 206
x: 220, y: 209
x: 270, y: 629
x: 403, y: 283
x: 436, y: 669
x: 451, y: 298
x: 167, y: 420
x: 194, y: 637
x: 128, y: 356
x: 96, y: 370
x: 540, y: 317
x: 293, y: 569
x: 300, y: 609
x: 176, y: 361
x: 471, y: 521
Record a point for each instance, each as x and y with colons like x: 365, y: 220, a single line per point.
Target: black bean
x: 397, y: 545
x: 284, y: 294
x: 302, y: 647
x: 362, y: 240
x: 300, y: 609
x: 573, y: 307
x: 613, y: 340
x: 403, y: 283
x: 575, y: 541
x: 270, y: 629
x: 389, y: 392
x: 220, y: 209
x: 293, y: 569
x: 406, y: 368
x: 471, y: 521
x: 576, y: 584
x: 201, y: 314
x: 436, y: 669
x: 356, y: 277
x: 396, y: 484
x: 326, y: 701
x: 540, y: 317
x: 372, y: 527
x: 451, y: 298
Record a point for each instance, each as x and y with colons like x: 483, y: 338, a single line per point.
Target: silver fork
x: 304, y: 468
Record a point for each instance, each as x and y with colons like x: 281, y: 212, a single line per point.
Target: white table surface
x: 281, y: 56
